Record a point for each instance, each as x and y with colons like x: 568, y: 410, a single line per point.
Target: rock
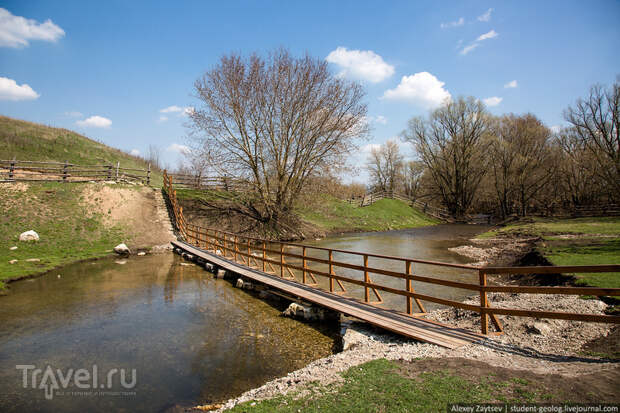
x: 308, y: 313
x: 109, y: 182
x: 141, y: 254
x: 239, y: 283
x: 33, y: 260
x: 29, y: 236
x: 13, y: 248
x: 13, y: 261
x: 209, y: 267
x: 221, y: 273
x: 538, y: 328
x: 121, y: 262
x: 122, y: 249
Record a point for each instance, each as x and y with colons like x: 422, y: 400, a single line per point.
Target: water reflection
x: 190, y: 337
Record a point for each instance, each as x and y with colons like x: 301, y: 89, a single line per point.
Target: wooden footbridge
x: 310, y: 275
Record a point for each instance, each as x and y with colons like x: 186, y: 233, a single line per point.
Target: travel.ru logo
x: 51, y: 380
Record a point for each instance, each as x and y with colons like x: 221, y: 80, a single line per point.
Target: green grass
x: 574, y: 241
x: 29, y: 141
x: 332, y: 214
x: 68, y: 232
x: 379, y: 386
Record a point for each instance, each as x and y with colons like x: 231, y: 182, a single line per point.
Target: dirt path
x: 139, y: 209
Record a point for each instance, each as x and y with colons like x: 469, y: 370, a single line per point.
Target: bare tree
x: 274, y: 122
x: 452, y: 143
x: 521, y: 160
x: 385, y: 165
x: 412, y: 179
x: 154, y: 156
x: 596, y: 122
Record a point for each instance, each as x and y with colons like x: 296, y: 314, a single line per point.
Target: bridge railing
x: 375, y: 273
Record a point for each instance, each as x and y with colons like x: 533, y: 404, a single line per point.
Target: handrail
x: 242, y: 248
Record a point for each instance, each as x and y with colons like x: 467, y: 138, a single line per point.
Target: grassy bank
x: 56, y: 211
x: 576, y: 241
x: 29, y: 141
x: 328, y: 214
x: 335, y: 215
x: 418, y: 386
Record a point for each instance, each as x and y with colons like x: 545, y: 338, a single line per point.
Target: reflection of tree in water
x: 171, y: 285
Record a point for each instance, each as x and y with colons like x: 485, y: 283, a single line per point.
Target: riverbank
x: 75, y: 222
x: 532, y: 362
x: 319, y: 216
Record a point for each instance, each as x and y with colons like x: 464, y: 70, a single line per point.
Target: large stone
x: 309, y: 313
x: 122, y: 249
x: 538, y: 328
x: 239, y: 283
x: 220, y: 273
x: 29, y: 236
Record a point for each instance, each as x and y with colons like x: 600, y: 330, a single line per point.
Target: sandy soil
x: 140, y: 209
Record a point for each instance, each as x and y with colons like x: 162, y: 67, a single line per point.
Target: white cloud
x: 175, y: 147
x: 366, y: 149
x: 162, y: 119
x: 95, y: 122
x: 510, y: 85
x: 172, y: 109
x: 360, y: 64
x: 135, y: 152
x: 486, y: 16
x: 555, y: 128
x: 493, y: 101
x: 422, y: 89
x: 16, y: 31
x: 74, y: 114
x: 376, y: 119
x: 469, y: 48
x: 10, y: 90
x: 488, y: 35
x: 456, y: 23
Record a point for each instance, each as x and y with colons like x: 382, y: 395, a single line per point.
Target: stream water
x: 190, y: 338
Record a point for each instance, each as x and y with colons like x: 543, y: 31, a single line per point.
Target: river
x: 190, y: 338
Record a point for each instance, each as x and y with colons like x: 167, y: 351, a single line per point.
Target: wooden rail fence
x: 307, y: 262
x: 369, y: 199
x: 15, y: 170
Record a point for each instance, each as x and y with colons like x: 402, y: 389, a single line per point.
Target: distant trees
x: 596, y: 124
x: 385, y: 165
x: 275, y: 122
x: 470, y: 161
x: 452, y: 144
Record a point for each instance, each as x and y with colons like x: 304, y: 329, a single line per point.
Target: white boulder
x: 122, y: 249
x: 29, y: 236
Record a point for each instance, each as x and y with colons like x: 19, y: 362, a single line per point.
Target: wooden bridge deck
x: 394, y: 321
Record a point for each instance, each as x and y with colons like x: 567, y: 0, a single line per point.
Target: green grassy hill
x: 29, y: 141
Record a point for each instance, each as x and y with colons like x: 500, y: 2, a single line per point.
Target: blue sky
x: 108, y: 69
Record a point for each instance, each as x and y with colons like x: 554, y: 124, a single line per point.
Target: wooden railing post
x: 235, y: 248
x: 303, y: 279
x: 264, y: 247
x: 331, y: 271
x: 408, y: 288
x: 366, y: 279
x: 109, y: 171
x: 249, y: 252
x: 484, y: 319
x: 148, y: 175
x: 65, y: 173
x: 281, y: 260
x: 11, y: 169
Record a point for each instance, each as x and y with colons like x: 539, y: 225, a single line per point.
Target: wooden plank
x: 412, y: 327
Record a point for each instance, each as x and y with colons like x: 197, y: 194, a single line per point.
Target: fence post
x: 304, y: 265
x: 408, y: 288
x: 484, y: 319
x: 331, y: 271
x: 148, y: 175
x: 109, y: 171
x: 281, y: 260
x: 11, y: 169
x: 249, y: 252
x: 64, y: 172
x: 118, y: 165
x: 235, y: 247
x: 366, y: 279
x: 264, y: 256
